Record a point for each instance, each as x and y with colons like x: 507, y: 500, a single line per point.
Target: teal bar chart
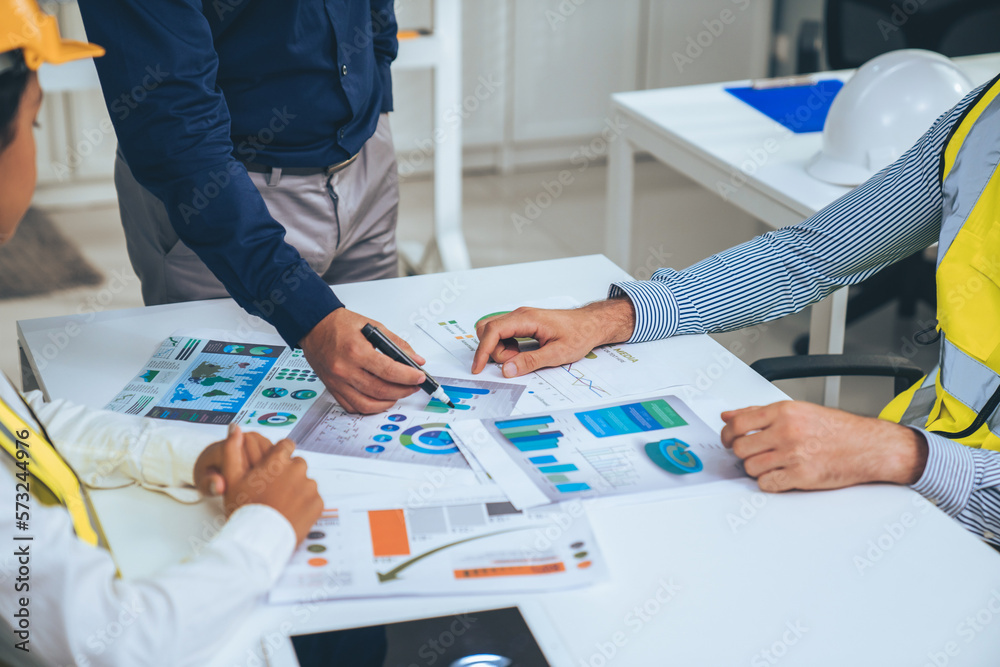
x: 529, y: 434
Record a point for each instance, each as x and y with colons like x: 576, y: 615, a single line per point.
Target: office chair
x: 854, y: 31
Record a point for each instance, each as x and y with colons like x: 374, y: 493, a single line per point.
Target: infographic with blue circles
x: 416, y: 431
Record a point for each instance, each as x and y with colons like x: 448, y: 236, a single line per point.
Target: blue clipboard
x: 801, y: 109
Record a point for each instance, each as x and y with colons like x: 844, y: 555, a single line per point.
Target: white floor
x: 679, y: 223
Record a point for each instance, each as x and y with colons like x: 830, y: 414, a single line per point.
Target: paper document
x: 605, y: 373
x: 626, y: 447
x: 203, y: 377
x: 467, y: 542
x: 409, y: 437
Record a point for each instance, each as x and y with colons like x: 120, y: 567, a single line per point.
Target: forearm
x: 235, y: 236
x: 893, y: 215
x: 613, y: 320
x: 176, y: 141
x: 176, y: 617
x: 109, y: 450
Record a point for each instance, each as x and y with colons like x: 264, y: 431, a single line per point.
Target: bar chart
x: 647, y: 445
x: 529, y: 434
x: 462, y: 397
x: 559, y: 474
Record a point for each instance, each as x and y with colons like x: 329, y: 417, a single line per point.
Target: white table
x: 718, y: 141
x: 747, y: 566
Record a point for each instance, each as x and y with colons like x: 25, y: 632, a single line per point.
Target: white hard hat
x: 883, y: 110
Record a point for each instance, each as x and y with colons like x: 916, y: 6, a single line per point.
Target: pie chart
x: 275, y: 392
x: 276, y: 419
x: 261, y: 351
x: 233, y: 349
x: 429, y: 439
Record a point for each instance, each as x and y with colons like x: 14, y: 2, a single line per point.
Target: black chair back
x: 859, y: 30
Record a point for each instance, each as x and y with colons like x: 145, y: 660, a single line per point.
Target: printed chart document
x: 409, y: 438
x: 637, y: 446
x: 204, y: 377
x: 607, y: 372
x: 461, y: 542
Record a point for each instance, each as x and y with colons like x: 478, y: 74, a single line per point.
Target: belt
x: 300, y: 171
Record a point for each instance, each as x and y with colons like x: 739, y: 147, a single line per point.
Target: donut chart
x: 429, y: 439
x: 277, y: 419
x: 674, y: 456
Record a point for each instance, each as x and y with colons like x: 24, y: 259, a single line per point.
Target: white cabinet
x: 538, y: 74
x: 707, y: 41
x: 569, y: 56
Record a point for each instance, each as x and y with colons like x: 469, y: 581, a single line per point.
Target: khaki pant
x: 343, y: 225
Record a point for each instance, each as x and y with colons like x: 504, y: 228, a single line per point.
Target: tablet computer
x: 487, y: 638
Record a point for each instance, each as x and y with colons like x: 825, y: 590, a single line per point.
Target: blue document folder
x: 799, y: 108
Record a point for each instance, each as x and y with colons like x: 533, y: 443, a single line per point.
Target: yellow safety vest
x: 959, y: 398
x: 43, y: 473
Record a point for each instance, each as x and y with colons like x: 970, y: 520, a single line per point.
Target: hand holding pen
x: 382, y: 343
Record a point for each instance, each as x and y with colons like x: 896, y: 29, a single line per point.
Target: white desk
x: 740, y: 584
x: 713, y: 138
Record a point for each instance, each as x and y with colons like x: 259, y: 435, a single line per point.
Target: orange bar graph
x: 388, y: 529
x: 510, y: 571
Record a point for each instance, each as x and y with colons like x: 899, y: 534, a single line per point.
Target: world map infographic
x: 219, y: 382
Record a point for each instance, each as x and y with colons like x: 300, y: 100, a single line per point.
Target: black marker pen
x: 382, y: 343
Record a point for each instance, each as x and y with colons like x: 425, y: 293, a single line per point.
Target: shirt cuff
x: 169, y: 455
x: 949, y: 476
x: 385, y: 75
x: 262, y: 531
x: 656, y: 309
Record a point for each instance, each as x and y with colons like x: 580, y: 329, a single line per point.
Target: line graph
x: 580, y: 378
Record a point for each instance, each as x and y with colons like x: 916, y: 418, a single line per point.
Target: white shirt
x: 80, y: 612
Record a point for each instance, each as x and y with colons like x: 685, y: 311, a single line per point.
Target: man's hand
x: 208, y: 475
x: 361, y: 378
x: 795, y: 445
x: 258, y: 473
x: 564, y: 336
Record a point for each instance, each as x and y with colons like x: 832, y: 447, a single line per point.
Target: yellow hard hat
x: 36, y: 34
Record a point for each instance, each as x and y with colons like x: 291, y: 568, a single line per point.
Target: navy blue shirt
x: 197, y: 87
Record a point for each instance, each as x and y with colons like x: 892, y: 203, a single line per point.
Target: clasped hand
x: 246, y: 469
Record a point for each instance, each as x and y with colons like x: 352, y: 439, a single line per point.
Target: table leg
x: 621, y: 191
x: 827, y: 324
x: 28, y: 380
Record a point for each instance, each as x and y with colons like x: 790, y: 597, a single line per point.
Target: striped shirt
x: 891, y: 216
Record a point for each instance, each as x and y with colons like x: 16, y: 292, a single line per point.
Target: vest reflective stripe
x: 48, y: 468
x: 951, y: 397
x: 971, y: 168
x: 957, y: 138
x: 922, y: 403
x: 965, y: 378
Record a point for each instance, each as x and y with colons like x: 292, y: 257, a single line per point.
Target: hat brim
x: 69, y: 50
x: 836, y: 172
